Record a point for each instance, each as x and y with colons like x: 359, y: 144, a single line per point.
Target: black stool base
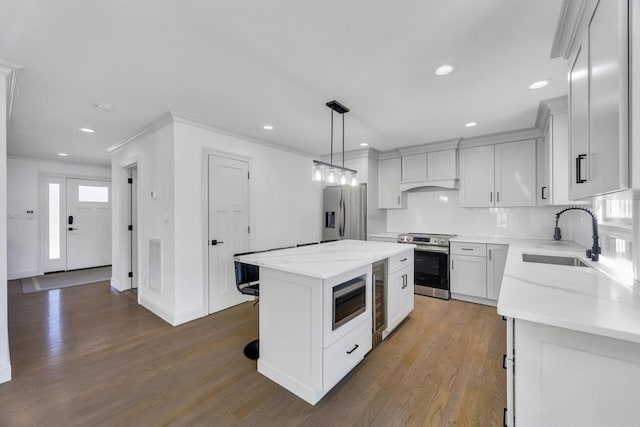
x: 252, y: 350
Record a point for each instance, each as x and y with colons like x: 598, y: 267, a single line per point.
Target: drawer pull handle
x: 353, y: 349
x: 467, y: 249
x: 403, y: 260
x: 504, y: 361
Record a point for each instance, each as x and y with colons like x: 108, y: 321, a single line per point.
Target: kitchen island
x: 573, y: 338
x: 306, y: 345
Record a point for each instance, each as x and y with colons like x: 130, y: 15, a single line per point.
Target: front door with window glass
x: 78, y: 223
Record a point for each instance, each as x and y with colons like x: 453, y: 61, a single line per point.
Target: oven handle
x: 439, y: 249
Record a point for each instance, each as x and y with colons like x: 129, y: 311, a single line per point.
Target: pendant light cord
x: 331, y: 137
x: 343, y: 140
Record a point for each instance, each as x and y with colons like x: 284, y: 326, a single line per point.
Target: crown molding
x: 549, y: 107
x: 162, y: 121
x: 87, y: 163
x: 430, y: 147
x: 11, y: 71
x: 498, y: 138
x: 391, y: 154
x: 573, y: 15
x: 171, y: 117
x: 369, y: 152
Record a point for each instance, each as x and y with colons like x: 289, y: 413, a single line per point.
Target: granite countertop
x: 595, y: 300
x: 327, y: 259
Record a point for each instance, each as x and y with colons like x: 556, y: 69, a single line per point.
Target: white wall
x: 23, y: 194
x: 153, y: 154
x: 5, y: 363
x: 438, y: 212
x: 285, y: 208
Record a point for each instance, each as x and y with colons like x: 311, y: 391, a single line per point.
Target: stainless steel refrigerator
x: 344, y: 213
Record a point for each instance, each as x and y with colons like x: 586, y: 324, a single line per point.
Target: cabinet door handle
x: 489, y: 254
x: 542, y: 196
x: 452, y: 264
x: 398, y: 200
x: 353, y: 349
x: 497, y: 196
x: 579, y: 179
x: 491, y: 196
x: 403, y: 259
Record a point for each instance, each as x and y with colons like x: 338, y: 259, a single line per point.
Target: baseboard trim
x: 115, y: 284
x: 5, y: 373
x: 21, y: 274
x: 475, y: 300
x: 157, y: 309
x: 188, y: 315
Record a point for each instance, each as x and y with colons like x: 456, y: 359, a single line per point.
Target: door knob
x: 71, y: 228
x: 215, y: 242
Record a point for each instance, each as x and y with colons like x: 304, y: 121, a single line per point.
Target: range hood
x: 450, y: 184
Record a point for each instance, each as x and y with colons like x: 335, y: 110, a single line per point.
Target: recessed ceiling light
x: 470, y: 124
x: 364, y: 144
x: 63, y: 154
x: 267, y: 127
x: 87, y: 130
x: 444, y: 70
x: 104, y: 107
x: 539, y: 84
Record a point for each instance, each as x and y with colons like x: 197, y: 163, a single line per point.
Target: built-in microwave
x: 349, y: 300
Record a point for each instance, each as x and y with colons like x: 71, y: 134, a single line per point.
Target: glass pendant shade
x: 343, y: 178
x: 353, y: 180
x: 332, y: 177
x: 318, y: 173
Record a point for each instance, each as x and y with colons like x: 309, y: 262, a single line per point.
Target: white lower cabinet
x: 469, y: 275
x: 476, y: 271
x: 400, y: 289
x: 345, y: 354
x: 561, y: 377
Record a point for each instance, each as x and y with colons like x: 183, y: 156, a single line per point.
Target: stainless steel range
x: 431, y: 263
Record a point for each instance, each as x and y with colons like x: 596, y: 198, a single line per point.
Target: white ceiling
x: 242, y: 64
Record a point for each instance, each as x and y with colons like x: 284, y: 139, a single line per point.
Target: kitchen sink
x: 557, y: 260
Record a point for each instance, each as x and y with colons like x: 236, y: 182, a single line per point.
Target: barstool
x: 247, y: 276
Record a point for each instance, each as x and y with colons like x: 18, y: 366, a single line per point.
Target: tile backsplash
x: 438, y: 212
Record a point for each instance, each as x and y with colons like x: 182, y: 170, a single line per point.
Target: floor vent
x: 155, y: 265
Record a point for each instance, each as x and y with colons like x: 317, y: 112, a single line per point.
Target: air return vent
x: 155, y: 265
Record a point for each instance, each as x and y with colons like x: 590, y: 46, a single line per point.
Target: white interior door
x: 88, y: 225
x: 228, y: 228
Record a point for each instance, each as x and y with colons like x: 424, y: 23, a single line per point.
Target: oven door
x: 431, y: 268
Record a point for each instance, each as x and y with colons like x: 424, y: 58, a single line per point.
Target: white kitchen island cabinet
x: 302, y: 348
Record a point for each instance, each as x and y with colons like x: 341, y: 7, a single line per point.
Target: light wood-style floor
x: 91, y: 356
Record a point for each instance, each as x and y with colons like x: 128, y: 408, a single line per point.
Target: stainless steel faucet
x: 594, y: 252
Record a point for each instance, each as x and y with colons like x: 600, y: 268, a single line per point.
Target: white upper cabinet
x: 515, y: 174
x: 442, y: 165
x: 498, y: 175
x: 389, y: 177
x: 598, y: 98
x: 553, y: 154
x: 476, y: 177
x: 414, y: 167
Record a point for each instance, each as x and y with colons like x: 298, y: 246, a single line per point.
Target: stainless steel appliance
x: 379, y: 280
x: 344, y: 213
x: 431, y: 263
x: 349, y: 300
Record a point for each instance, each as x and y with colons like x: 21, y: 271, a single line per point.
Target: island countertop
x: 326, y: 260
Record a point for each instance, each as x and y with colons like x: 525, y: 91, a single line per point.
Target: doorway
x: 133, y: 226
x: 228, y: 224
x: 76, y: 223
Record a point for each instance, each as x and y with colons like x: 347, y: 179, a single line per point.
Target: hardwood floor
x: 91, y: 356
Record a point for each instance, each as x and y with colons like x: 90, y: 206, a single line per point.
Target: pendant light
x: 328, y: 172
